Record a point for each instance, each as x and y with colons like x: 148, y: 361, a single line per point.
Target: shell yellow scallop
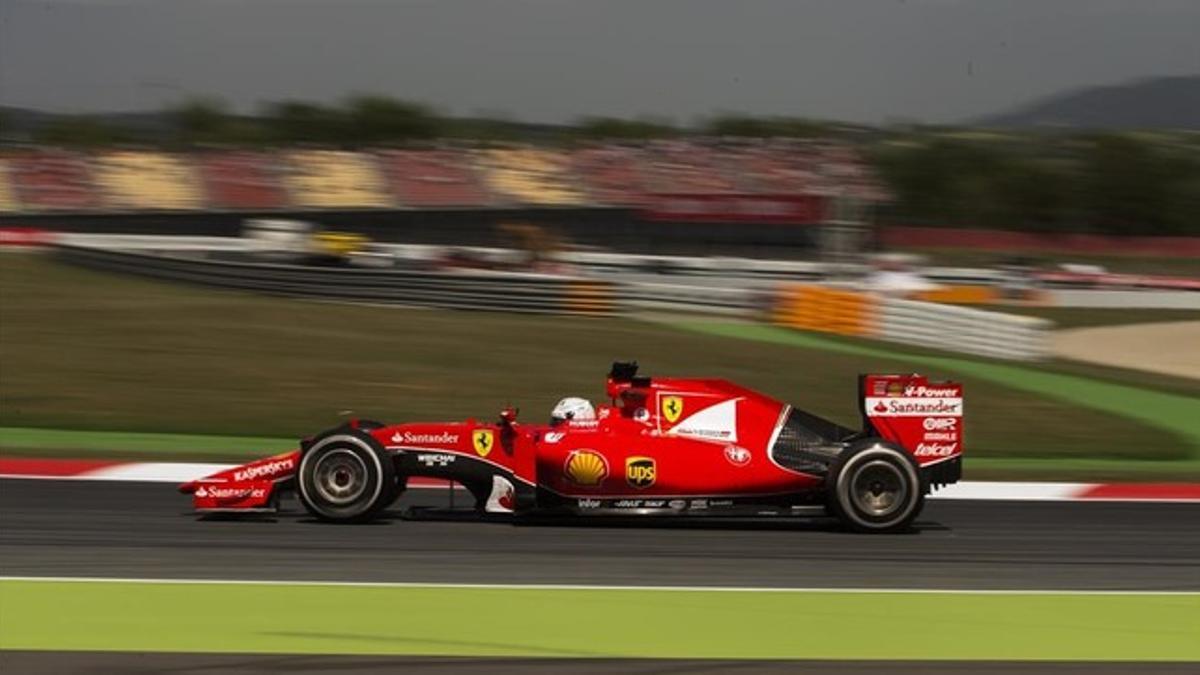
x: 586, y: 468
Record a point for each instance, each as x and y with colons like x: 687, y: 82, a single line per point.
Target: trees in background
x: 748, y: 126
x: 374, y: 120
x: 1130, y: 186
x: 201, y: 121
x: 86, y: 131
x: 1109, y: 183
x: 360, y: 121
x: 618, y: 129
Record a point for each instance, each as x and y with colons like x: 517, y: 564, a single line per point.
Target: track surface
x: 97, y: 529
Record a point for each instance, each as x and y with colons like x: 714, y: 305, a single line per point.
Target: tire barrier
x: 480, y: 291
x: 924, y: 324
x: 827, y: 310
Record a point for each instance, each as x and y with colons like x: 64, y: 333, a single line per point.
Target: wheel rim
x: 878, y: 489
x: 340, y: 477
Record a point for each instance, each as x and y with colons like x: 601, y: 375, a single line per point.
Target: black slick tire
x: 346, y: 476
x: 875, y: 486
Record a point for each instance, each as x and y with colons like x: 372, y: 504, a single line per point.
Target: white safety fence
x: 1141, y: 299
x: 685, y: 298
x: 963, y: 329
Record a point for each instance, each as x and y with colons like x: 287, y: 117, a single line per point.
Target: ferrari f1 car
x: 661, y: 446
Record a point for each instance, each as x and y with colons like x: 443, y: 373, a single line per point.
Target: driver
x: 572, y: 408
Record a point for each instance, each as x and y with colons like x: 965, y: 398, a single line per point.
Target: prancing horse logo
x: 672, y: 408
x: 482, y: 440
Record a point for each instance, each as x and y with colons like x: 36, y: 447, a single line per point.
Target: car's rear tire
x: 875, y: 486
x: 346, y: 476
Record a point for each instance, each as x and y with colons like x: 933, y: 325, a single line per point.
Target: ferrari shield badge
x: 672, y: 408
x: 482, y: 439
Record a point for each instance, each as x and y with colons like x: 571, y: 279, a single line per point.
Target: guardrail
x: 485, y: 291
x: 963, y: 329
x: 643, y: 296
x: 1140, y: 299
x: 986, y: 285
x: 924, y: 324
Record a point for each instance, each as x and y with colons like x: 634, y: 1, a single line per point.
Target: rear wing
x: 923, y: 417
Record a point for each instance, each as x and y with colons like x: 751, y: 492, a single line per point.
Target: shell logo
x: 585, y: 468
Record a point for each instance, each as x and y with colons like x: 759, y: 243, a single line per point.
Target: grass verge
x: 127, y: 445
x: 89, y: 351
x: 429, y: 620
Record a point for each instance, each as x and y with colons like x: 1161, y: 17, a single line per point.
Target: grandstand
x: 842, y: 169
x: 606, y: 175
x: 133, y: 180
x: 8, y: 197
x: 685, y: 167
x: 611, y: 174
x: 433, y: 178
x: 241, y: 181
x: 333, y: 179
x: 780, y: 168
x: 533, y: 177
x: 51, y: 180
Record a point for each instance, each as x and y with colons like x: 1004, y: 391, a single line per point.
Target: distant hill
x: 1156, y: 103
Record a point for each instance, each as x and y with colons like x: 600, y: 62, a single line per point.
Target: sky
x: 867, y: 61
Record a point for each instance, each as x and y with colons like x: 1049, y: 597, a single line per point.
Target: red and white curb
x: 181, y: 472
x: 1071, y: 492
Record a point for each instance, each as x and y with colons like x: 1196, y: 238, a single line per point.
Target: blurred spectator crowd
x: 37, y: 179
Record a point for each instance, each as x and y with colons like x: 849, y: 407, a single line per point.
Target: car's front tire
x: 346, y: 476
x: 875, y: 486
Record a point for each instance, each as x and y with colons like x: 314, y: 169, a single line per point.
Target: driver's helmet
x: 572, y: 408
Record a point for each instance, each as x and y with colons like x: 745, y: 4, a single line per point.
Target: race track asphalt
x: 99, y: 529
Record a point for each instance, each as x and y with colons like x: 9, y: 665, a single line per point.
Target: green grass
x: 1087, y: 317
x: 88, y: 351
x: 533, y: 622
x: 129, y: 445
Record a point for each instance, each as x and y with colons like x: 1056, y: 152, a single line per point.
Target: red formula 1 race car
x: 662, y: 446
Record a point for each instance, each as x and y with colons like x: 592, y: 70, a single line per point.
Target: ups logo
x: 640, y: 472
